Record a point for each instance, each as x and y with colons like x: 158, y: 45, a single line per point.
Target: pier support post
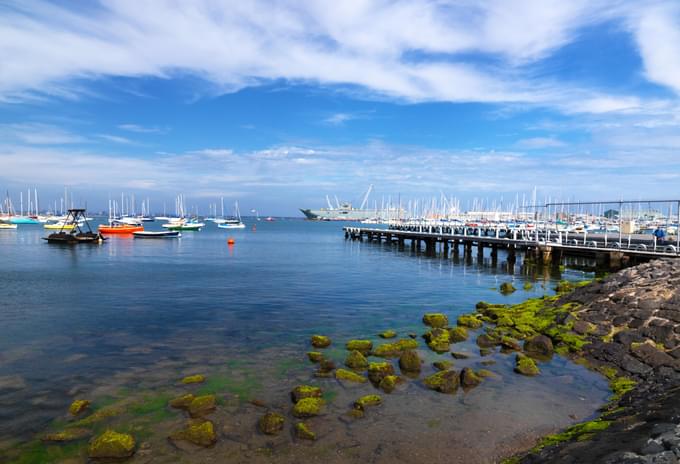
x: 456, y: 249
x: 546, y: 254
x: 480, y: 250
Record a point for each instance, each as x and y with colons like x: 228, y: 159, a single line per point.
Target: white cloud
x: 116, y: 139
x: 534, y: 143
x: 38, y: 134
x: 143, y: 129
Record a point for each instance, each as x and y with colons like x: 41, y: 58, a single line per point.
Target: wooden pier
x: 612, y: 250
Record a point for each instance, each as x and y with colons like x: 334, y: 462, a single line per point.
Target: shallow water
x: 120, y: 323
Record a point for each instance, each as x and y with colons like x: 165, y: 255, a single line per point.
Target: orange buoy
x: 230, y: 241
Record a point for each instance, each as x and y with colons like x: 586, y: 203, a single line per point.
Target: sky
x: 277, y: 104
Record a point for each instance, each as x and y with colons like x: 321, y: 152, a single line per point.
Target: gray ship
x: 346, y: 212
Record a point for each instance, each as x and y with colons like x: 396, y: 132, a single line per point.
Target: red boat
x: 116, y: 227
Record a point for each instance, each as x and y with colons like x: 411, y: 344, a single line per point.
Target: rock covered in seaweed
x: 197, y: 378
x: 198, y: 432
x: 470, y: 321
x: 112, y: 445
x: 367, y: 400
x: 325, y: 369
x: 458, y: 334
x: 442, y: 365
x: 436, y: 320
x: 540, y: 345
x: 378, y: 371
x: 78, y: 406
x: 525, y: 365
x: 362, y: 346
x: 303, y: 432
x: 202, y: 405
x: 394, y: 349
x: 305, y: 391
x: 315, y: 356
x: 409, y: 361
x: 320, y: 341
x: 443, y: 381
x: 388, y: 334
x: 389, y: 383
x: 69, y: 434
x: 506, y: 288
x: 356, y: 360
x: 308, y: 407
x: 468, y: 378
x: 344, y: 374
x: 271, y: 423
x: 182, y: 402
x: 438, y: 340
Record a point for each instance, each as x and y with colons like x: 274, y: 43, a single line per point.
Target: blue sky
x: 277, y: 104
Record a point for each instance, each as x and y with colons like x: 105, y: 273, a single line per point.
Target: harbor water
x: 122, y: 322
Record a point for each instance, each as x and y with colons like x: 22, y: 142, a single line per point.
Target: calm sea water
x: 131, y: 317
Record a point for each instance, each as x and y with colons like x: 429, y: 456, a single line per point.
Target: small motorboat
x: 183, y: 224
x: 61, y: 225
x: 4, y: 225
x: 77, y: 235
x: 118, y: 227
x: 157, y: 234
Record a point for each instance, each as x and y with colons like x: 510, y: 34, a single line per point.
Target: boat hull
x: 157, y: 235
x: 120, y: 230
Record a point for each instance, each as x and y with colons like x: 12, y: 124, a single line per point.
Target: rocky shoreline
x: 629, y: 323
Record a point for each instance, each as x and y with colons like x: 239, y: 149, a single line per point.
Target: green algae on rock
x: 320, y: 341
x: 510, y: 343
x: 78, y: 406
x: 458, y: 334
x: 305, y: 391
x: 325, y: 369
x: 443, y: 381
x: 198, y: 432
x: 388, y: 334
x: 579, y: 432
x: 201, y: 405
x: 527, y: 286
x: 436, y: 320
x: 485, y: 373
x: 70, y: 434
x: 367, y: 400
x: 112, y: 445
x: 394, y: 349
x: 378, y: 371
x: 525, y: 365
x: 442, y: 365
x: 506, y: 288
x: 362, y: 346
x: 356, y: 360
x: 438, y: 340
x: 315, y: 356
x: 182, y: 402
x: 389, y: 383
x: 271, y: 423
x: 469, y: 379
x: 539, y: 345
x: 198, y: 378
x: 409, y: 361
x: 99, y: 415
x: 303, y: 432
x: 308, y: 407
x: 470, y: 321
x: 344, y: 374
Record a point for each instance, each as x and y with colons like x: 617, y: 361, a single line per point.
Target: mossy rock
x: 469, y: 379
x: 78, y: 406
x: 305, y: 391
x: 320, y: 341
x: 409, y: 361
x: 486, y: 351
x: 459, y: 355
x: 69, y: 434
x: 485, y: 373
x: 367, y: 400
x: 198, y: 432
x: 458, y: 334
x: 315, y: 356
x: 378, y: 371
x: 303, y: 432
x: 436, y: 320
x: 510, y: 344
x: 388, y: 334
x: 443, y: 381
x: 308, y: 407
x: 507, y: 288
x: 112, y: 445
x: 202, y: 405
x: 395, y: 349
x: 349, y: 376
x: 182, y: 402
x: 362, y: 346
x: 198, y: 378
x: 355, y: 413
x: 271, y: 423
x: 326, y: 366
x: 525, y: 365
x: 469, y: 321
x: 356, y: 360
x: 442, y: 365
x: 539, y: 345
x: 527, y: 286
x: 438, y: 340
x: 389, y: 383
x: 487, y: 341
x: 564, y: 286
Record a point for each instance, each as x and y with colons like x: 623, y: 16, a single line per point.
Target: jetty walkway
x: 611, y: 249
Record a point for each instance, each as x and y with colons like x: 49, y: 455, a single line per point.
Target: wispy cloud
x: 534, y: 143
x: 38, y: 134
x: 116, y: 139
x: 143, y: 129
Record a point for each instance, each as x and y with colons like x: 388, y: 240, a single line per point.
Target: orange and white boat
x: 117, y: 227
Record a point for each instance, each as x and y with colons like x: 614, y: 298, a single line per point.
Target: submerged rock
x: 409, y: 361
x: 326, y: 367
x: 112, y: 445
x: 525, y: 365
x: 506, y: 288
x: 271, y: 423
x: 70, y: 434
x: 389, y: 383
x: 388, y: 334
x: 198, y: 432
x: 468, y: 320
x: 460, y: 355
x: 564, y: 286
x: 442, y: 365
x: 436, y: 320
x: 438, y: 340
x: 443, y: 381
x: 78, y: 406
x: 367, y: 400
x: 303, y: 432
x: 394, y: 350
x: 362, y: 346
x: 458, y: 334
x: 305, y: 391
x: 540, y: 345
x: 308, y: 407
x: 378, y: 371
x: 198, y: 378
x: 510, y: 343
x: 202, y: 405
x: 344, y: 374
x: 320, y: 341
x: 356, y: 360
x: 182, y: 402
x: 468, y: 378
x: 315, y: 356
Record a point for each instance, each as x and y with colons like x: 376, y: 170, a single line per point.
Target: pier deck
x: 610, y: 249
